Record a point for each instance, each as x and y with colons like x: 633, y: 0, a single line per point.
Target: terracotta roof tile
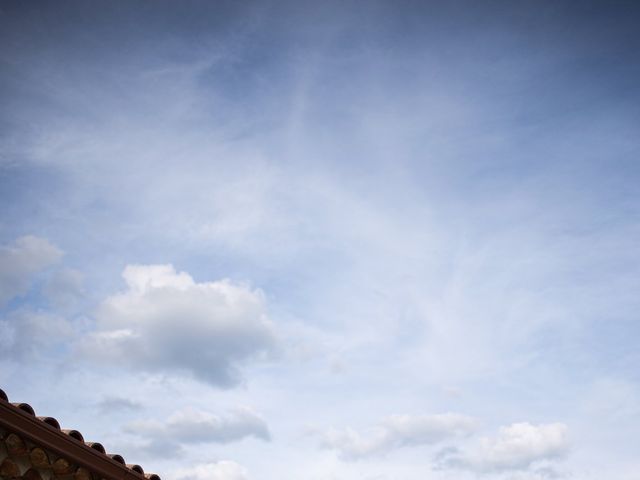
x: 50, y: 421
x: 117, y: 458
x: 96, y: 446
x: 39, y: 449
x: 135, y: 468
x: 76, y: 435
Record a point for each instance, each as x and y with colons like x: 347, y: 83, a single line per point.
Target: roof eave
x: 39, y: 432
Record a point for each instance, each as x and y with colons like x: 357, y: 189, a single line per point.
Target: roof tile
x: 21, y: 458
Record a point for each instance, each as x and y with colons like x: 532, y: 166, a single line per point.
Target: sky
x: 326, y: 240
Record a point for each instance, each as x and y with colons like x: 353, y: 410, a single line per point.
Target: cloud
x: 20, y: 261
x: 517, y: 447
x: 222, y: 470
x: 25, y: 334
x: 395, y: 432
x: 194, y: 426
x: 165, y: 321
x: 118, y: 404
x: 151, y: 449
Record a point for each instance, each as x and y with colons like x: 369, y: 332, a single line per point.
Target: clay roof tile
x: 50, y: 421
x: 135, y: 468
x: 96, y: 446
x: 74, y: 434
x: 117, y: 458
x: 25, y: 407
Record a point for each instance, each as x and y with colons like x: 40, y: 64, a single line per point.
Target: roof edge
x: 47, y: 436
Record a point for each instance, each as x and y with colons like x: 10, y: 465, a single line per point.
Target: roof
x: 36, y: 448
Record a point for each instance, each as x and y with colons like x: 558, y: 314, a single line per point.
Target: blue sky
x: 333, y: 241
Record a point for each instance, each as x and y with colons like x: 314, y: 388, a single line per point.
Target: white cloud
x: 395, y: 432
x: 543, y: 473
x: 517, y: 447
x: 222, y: 470
x: 194, y: 426
x: 165, y: 321
x: 110, y: 405
x: 20, y: 261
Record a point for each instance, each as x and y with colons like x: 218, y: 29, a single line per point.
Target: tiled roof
x: 36, y: 448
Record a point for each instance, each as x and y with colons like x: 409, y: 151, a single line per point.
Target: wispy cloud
x: 111, y: 404
x: 395, y: 432
x: 223, y: 470
x: 194, y: 426
x: 517, y: 447
x: 20, y: 261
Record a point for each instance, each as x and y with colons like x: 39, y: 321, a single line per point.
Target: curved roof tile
x: 50, y: 421
x: 96, y: 446
x: 135, y: 468
x: 74, y: 434
x: 117, y: 458
x: 25, y: 407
